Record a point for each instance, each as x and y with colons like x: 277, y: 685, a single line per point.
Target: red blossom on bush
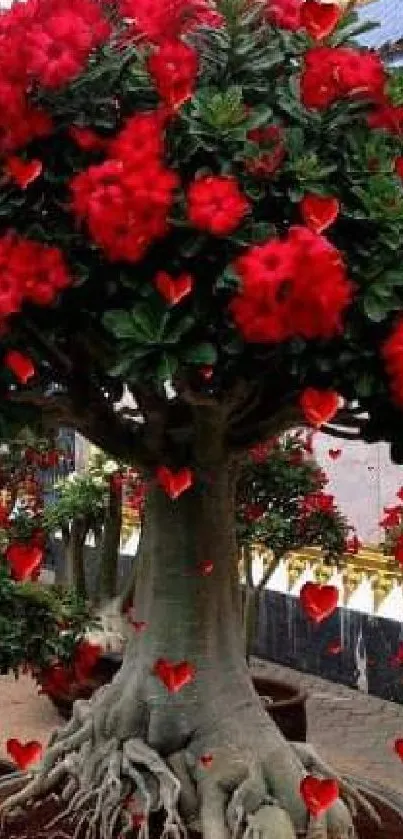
x: 157, y: 20
x: 286, y: 14
x: 269, y: 160
x: 140, y: 141
x: 29, y: 271
x: 85, y: 659
x: 317, y: 502
x: 174, y: 67
x: 387, y: 117
x: 294, y: 286
x: 332, y: 73
x: 216, y: 204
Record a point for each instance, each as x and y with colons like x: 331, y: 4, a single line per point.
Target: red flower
x: 317, y: 502
x: 392, y: 354
x: 392, y: 517
x: 260, y: 452
x: 86, y: 139
x: 29, y: 271
x: 387, y: 117
x: 297, y: 286
x: 158, y: 20
x: 399, y: 167
x: 216, y: 204
x: 253, y: 512
x: 286, y: 14
x: 270, y: 160
x: 126, y: 211
x: 174, y: 69
x: 140, y: 140
x: 85, y: 659
x: 333, y: 73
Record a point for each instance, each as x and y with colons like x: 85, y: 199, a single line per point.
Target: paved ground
x: 353, y: 731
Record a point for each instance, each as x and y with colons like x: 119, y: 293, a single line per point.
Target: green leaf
x: 166, y: 368
x: 204, y: 353
x: 120, y: 323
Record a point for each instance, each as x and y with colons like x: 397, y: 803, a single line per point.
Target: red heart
x: 23, y: 172
x: 174, y: 483
x: 173, y: 290
x: 399, y: 747
x: 319, y: 211
x: 24, y: 755
x: 206, y: 567
x: 86, y: 139
x: 206, y: 760
x: 334, y: 648
x: 24, y: 559
x: 174, y: 676
x: 139, y: 626
x: 320, y: 19
x: 206, y: 372
x: 20, y: 364
x: 319, y: 795
x: 334, y: 454
x: 318, y: 602
x: 319, y: 406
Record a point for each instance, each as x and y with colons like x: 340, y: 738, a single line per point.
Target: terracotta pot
x: 388, y: 804
x: 285, y: 704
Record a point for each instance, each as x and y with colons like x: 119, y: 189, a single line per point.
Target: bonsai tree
x: 282, y: 507
x: 202, y: 227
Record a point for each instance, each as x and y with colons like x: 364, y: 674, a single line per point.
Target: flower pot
x: 32, y: 822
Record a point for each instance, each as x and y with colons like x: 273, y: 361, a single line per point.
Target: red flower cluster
x: 158, y: 20
x: 286, y: 14
x: 271, y: 138
x: 216, y: 204
x: 387, y: 117
x: 174, y: 67
x: 297, y: 286
x: 392, y: 517
x: 125, y: 200
x: 253, y: 512
x: 392, y: 354
x: 317, y: 502
x: 332, y: 73
x: 260, y: 452
x: 29, y: 271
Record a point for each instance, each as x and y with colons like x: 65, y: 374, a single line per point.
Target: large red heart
x: 24, y: 559
x: 173, y: 290
x: 174, y: 483
x: 319, y: 211
x: 320, y: 19
x: 23, y: 172
x: 174, y: 676
x: 319, y: 795
x: 318, y: 602
x: 399, y: 747
x: 21, y: 365
x: 319, y: 406
x: 24, y: 755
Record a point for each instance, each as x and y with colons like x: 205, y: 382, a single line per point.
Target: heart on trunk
x: 171, y: 289
x: 319, y: 795
x: 318, y: 602
x: 399, y: 747
x: 24, y: 559
x: 139, y: 626
x: 334, y: 648
x: 334, y: 454
x: 23, y: 172
x: 319, y: 406
x: 320, y: 19
x: 24, y: 754
x: 319, y: 211
x: 20, y: 364
x: 206, y: 760
x: 174, y: 676
x: 174, y: 483
x: 206, y: 372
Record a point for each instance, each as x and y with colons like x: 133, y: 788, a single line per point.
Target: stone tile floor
x: 353, y: 731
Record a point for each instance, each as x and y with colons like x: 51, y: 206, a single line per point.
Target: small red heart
x: 173, y: 290
x: 334, y: 454
x: 206, y: 760
x: 320, y: 19
x: 207, y: 372
x: 318, y: 602
x: 206, y: 568
x: 174, y: 483
x: 399, y: 747
x: 23, y: 172
x: 24, y: 559
x: 334, y: 648
x: 319, y: 211
x: 319, y: 795
x: 86, y: 139
x: 174, y: 676
x: 319, y: 406
x: 139, y: 626
x: 399, y: 167
x: 24, y: 755
x: 21, y: 365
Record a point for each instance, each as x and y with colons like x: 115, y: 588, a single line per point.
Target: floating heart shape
x: 24, y: 559
x: 206, y: 760
x: 24, y: 754
x: 319, y: 795
x: 320, y: 19
x: 319, y: 211
x: 318, y: 602
x: 174, y: 483
x: 334, y: 454
x: 206, y: 372
x: 21, y: 365
x: 87, y: 140
x: 334, y: 648
x: 174, y: 676
x: 171, y: 289
x: 319, y: 406
x: 139, y: 626
x: 399, y: 747
x: 206, y: 568
x: 23, y: 172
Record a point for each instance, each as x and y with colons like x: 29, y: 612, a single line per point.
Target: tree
x: 202, y: 210
x: 281, y: 507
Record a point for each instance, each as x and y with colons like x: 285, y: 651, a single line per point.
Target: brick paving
x: 353, y: 731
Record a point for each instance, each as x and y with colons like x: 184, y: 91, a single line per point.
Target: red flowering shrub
x: 174, y: 66
x: 334, y: 73
x: 216, y: 204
